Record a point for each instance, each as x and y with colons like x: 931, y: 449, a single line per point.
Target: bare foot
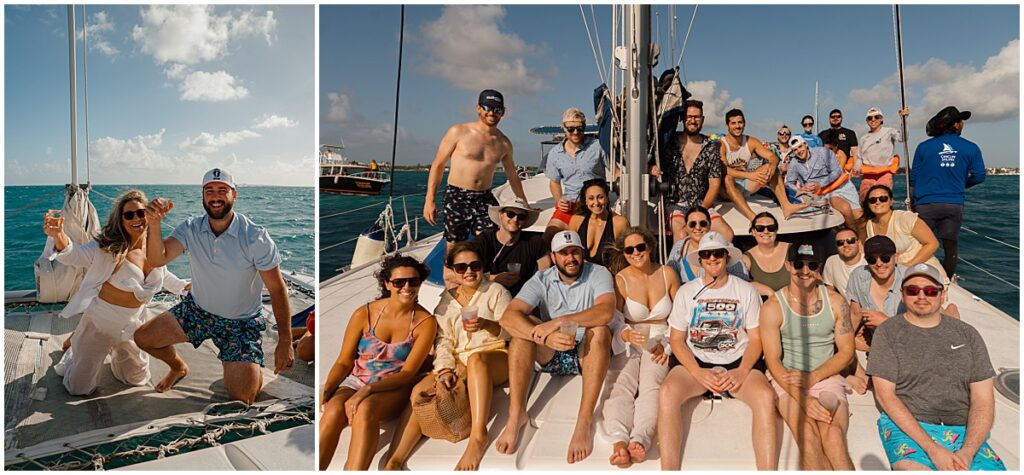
x: 620, y: 456
x: 582, y: 442
x: 172, y: 378
x: 792, y: 209
x: 474, y: 452
x: 858, y: 383
x: 508, y: 441
x: 637, y: 452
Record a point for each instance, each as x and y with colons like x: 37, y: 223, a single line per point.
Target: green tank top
x: 807, y: 342
x: 774, y: 280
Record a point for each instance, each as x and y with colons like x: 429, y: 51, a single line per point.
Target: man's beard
x: 686, y: 130
x: 562, y: 270
x: 223, y: 211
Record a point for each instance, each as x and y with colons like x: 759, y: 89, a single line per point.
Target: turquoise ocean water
x: 286, y: 212
x: 992, y: 210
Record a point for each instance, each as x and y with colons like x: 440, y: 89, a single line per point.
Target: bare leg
x: 407, y: 432
x: 594, y: 357
x: 366, y: 425
x: 332, y: 421
x: 678, y: 224
x: 844, y: 209
x: 731, y: 191
x: 805, y: 431
x: 243, y: 380
x: 554, y: 226
x: 521, y: 354
x: 485, y: 371
x: 679, y: 386
x: 833, y: 439
x: 779, y: 190
x: 158, y: 337
x: 756, y: 393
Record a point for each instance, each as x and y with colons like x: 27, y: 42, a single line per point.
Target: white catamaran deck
x: 719, y: 437
x: 42, y: 420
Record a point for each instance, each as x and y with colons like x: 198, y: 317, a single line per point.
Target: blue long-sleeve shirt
x: 821, y: 167
x: 944, y: 167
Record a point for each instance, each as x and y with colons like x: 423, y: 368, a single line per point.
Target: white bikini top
x: 637, y: 312
x: 130, y: 278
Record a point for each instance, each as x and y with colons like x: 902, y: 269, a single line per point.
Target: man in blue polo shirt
x: 569, y: 164
x: 944, y: 166
x: 231, y: 259
x: 576, y: 300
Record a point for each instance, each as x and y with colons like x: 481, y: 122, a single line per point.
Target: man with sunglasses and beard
x: 569, y: 165
x: 850, y: 256
x: 933, y: 382
x: 845, y: 139
x: 231, y: 259
x: 576, y: 300
x: 511, y: 256
x: 475, y: 149
x: 808, y: 340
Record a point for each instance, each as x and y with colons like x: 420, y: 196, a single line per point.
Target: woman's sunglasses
x: 410, y: 281
x: 811, y: 265
x: 475, y: 266
x: 766, y: 227
x: 850, y: 241
x: 873, y: 259
x: 716, y: 253
x: 628, y: 250
x: 878, y: 199
x: 694, y: 224
x: 130, y: 215
x: 929, y: 291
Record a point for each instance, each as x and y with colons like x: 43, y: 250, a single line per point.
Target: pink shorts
x: 867, y: 181
x: 834, y: 384
x: 563, y: 216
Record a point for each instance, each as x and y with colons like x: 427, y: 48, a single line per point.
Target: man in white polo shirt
x: 231, y: 259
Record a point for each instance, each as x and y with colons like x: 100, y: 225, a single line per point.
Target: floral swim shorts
x: 238, y: 340
x: 563, y: 363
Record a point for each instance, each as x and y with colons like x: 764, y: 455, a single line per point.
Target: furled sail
x: 56, y: 282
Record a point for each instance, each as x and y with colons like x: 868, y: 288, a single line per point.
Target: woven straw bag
x: 444, y: 413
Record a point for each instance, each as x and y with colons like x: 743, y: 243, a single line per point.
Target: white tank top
x: 737, y: 158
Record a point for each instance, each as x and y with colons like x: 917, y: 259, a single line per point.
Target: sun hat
x: 564, y: 239
x: 713, y: 240
x: 219, y: 175
x: 494, y: 212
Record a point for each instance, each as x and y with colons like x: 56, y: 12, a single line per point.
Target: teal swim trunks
x: 899, y: 446
x: 238, y: 340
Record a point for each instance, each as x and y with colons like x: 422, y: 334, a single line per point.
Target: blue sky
x: 762, y: 59
x: 173, y: 91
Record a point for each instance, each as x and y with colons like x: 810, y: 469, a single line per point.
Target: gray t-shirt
x: 933, y: 368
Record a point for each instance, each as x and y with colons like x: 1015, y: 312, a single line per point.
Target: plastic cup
x: 569, y: 329
x: 719, y: 372
x: 54, y: 213
x: 469, y: 314
x: 515, y: 267
x: 645, y: 332
x: 829, y: 401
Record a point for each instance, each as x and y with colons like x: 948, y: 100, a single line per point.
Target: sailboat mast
x: 638, y: 24
x: 74, y: 95
x: 898, y: 33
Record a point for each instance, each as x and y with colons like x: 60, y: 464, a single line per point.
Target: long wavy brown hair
x: 114, y: 238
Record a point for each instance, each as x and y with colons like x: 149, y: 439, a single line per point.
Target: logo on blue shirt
x: 948, y: 156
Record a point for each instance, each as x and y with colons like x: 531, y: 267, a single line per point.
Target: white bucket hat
x: 713, y: 240
x: 531, y: 214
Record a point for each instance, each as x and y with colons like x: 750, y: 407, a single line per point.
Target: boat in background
x: 341, y: 175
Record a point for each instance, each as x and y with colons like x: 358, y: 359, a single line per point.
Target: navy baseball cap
x: 491, y: 98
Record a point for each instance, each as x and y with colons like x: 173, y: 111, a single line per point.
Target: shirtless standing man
x: 475, y: 149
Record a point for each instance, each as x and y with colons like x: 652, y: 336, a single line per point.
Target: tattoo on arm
x: 844, y: 310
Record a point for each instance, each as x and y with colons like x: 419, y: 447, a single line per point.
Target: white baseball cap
x: 874, y: 111
x: 564, y: 239
x: 796, y: 141
x: 219, y: 175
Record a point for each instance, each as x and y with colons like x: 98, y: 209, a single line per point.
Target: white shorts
x: 847, y: 192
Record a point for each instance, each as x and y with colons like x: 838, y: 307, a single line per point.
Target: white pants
x: 105, y: 329
x: 631, y: 410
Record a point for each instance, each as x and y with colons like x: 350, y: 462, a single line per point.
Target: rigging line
x: 590, y: 38
x: 687, y: 38
x: 85, y: 63
x: 398, y: 90
x: 989, y: 273
x: 597, y: 37
x: 673, y: 38
x: 965, y: 228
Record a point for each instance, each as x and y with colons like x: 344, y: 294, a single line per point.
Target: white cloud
x: 206, y: 142
x: 716, y: 103
x: 274, y: 121
x: 97, y: 29
x: 341, y: 107
x: 467, y: 48
x: 991, y: 93
x: 211, y: 87
x: 190, y: 34
x: 139, y: 152
x: 175, y: 71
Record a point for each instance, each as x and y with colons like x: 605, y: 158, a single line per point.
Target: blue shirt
x: 812, y: 139
x: 821, y: 167
x: 225, y: 269
x: 572, y: 172
x: 944, y: 167
x: 858, y: 289
x: 556, y: 298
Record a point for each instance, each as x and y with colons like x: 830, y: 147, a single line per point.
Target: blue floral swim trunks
x: 564, y: 363
x: 238, y: 340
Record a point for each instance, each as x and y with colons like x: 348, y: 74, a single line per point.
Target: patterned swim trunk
x: 238, y: 340
x: 465, y: 213
x: 899, y: 446
x: 564, y: 363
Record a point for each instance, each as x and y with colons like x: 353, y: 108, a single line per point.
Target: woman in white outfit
x: 113, y: 295
x: 644, y: 292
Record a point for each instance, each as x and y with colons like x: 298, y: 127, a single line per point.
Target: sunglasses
x: 811, y: 265
x: 694, y: 224
x: 410, y: 281
x: 929, y: 291
x: 874, y: 117
x: 577, y: 129
x: 766, y: 227
x: 873, y: 259
x: 784, y: 134
x: 495, y: 109
x: 716, y: 253
x: 628, y: 250
x: 807, y: 124
x: 130, y: 215
x: 878, y: 199
x: 461, y: 267
x: 835, y: 117
x: 850, y: 241
x: 514, y: 215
